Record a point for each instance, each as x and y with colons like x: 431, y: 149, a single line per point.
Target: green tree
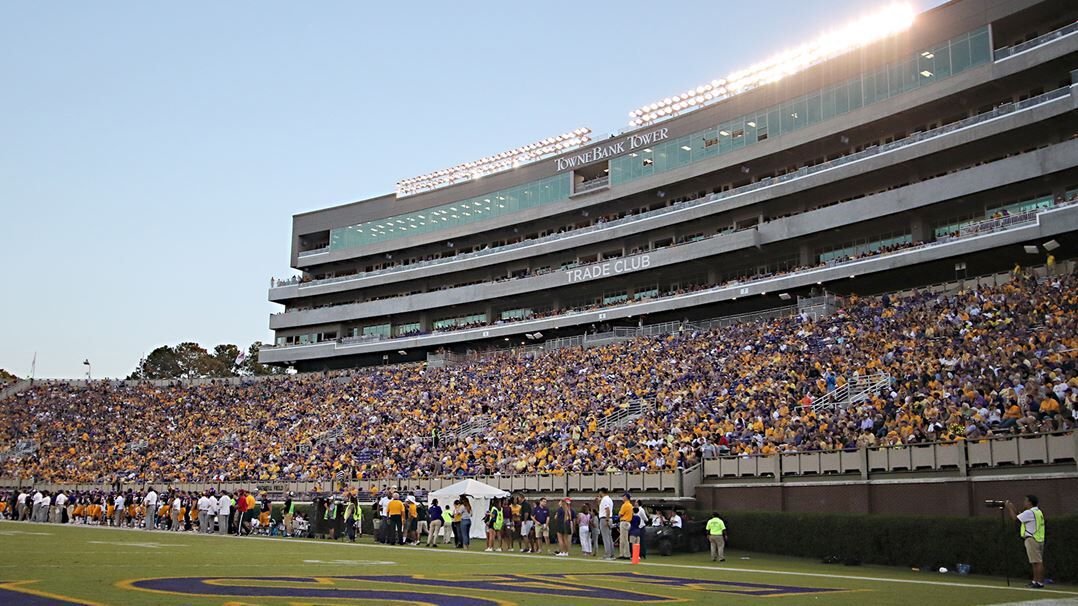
x: 223, y: 361
x: 7, y: 377
x: 189, y: 360
x: 195, y: 362
x: 251, y: 365
x: 161, y: 363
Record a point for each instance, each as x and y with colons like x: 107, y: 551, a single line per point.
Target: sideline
x: 589, y: 560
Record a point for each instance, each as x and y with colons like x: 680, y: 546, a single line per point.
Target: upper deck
x: 942, y: 43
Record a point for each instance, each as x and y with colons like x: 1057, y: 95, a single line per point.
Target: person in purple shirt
x: 434, y: 515
x: 542, y: 516
x: 636, y: 532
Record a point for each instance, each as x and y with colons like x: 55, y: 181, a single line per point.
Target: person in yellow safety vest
x: 1031, y: 532
x: 289, y: 513
x: 447, y: 524
x: 716, y: 536
x: 353, y: 518
x: 494, y: 520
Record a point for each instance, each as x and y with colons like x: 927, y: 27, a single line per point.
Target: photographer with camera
x: 1032, y: 534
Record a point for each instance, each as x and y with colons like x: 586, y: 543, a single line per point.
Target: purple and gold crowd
x: 963, y: 366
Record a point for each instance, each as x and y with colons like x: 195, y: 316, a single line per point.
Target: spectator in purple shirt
x: 434, y: 515
x: 542, y: 520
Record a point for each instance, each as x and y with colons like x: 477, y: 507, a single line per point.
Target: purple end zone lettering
x: 519, y: 583
x: 741, y: 588
x: 567, y: 586
x: 201, y: 586
x: 10, y: 595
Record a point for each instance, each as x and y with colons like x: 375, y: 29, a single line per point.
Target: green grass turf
x: 89, y: 565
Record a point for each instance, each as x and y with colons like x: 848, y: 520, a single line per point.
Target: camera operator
x: 1032, y: 533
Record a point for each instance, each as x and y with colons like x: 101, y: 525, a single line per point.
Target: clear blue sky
x: 152, y: 154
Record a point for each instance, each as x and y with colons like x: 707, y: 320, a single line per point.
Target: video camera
x: 994, y: 504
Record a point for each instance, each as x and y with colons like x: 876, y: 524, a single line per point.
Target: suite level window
x: 591, y: 177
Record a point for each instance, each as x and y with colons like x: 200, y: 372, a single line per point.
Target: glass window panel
x: 774, y: 122
x: 882, y: 89
x: 869, y: 89
x: 960, y: 58
x: 979, y: 47
x: 856, y: 95
x: 787, y: 117
x: 828, y: 107
x: 813, y: 109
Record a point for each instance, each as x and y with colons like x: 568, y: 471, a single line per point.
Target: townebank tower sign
x: 609, y: 150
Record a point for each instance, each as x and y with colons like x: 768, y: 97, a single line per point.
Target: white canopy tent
x: 478, y: 493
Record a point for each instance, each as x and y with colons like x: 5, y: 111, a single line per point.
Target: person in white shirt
x: 675, y: 520
x: 606, y: 514
x: 35, y: 513
x: 211, y: 513
x: 118, y: 514
x: 382, y: 521
x: 23, y: 514
x: 177, y: 519
x: 224, y: 508
x: 45, y: 506
x: 640, y: 511
x: 60, y: 506
x: 150, y: 504
x: 203, y: 512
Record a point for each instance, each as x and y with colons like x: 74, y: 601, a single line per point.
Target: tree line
x: 190, y: 360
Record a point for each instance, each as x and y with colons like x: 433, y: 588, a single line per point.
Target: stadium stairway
x: 856, y: 389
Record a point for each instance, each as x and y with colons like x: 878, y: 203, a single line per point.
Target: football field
x: 52, y: 564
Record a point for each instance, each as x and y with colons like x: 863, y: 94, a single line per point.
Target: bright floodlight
x: 492, y: 164
x: 862, y: 32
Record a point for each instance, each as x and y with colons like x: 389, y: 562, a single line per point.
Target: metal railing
x: 806, y: 171
x: 473, y: 427
x: 624, y: 415
x: 313, y: 251
x: 856, y: 389
x: 1022, y: 47
x: 592, y: 185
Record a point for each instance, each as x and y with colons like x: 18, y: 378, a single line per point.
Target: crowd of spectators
x: 241, y: 513
x: 966, y: 365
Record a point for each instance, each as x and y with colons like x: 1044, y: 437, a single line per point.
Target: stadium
x: 827, y: 302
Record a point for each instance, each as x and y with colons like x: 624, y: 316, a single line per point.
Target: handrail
x: 874, y: 150
x: 594, y: 184
x: 313, y: 251
x: 1021, y: 47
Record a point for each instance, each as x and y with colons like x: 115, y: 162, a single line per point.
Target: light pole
x: 87, y: 363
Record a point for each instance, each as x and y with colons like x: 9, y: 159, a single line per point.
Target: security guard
x: 716, y: 536
x: 1032, y: 534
